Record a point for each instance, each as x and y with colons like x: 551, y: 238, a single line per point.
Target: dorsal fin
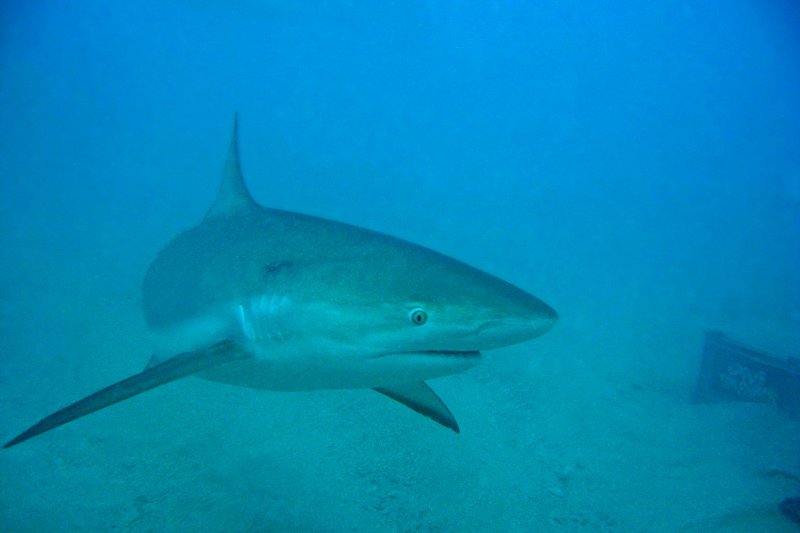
x: 233, y: 196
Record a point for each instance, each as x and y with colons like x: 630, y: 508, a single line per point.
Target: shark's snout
x: 526, y: 319
x: 541, y: 318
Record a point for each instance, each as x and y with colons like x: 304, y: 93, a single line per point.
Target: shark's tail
x: 174, y: 368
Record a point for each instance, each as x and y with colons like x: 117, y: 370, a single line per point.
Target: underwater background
x: 636, y: 165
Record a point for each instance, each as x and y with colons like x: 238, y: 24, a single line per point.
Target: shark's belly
x: 291, y: 350
x: 282, y: 367
x: 311, y: 373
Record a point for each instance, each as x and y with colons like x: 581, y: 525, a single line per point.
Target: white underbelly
x: 337, y: 372
x: 287, y: 355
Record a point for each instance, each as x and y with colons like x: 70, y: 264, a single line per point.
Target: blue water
x: 634, y: 164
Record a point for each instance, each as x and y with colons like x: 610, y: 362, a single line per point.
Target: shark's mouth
x: 436, y: 353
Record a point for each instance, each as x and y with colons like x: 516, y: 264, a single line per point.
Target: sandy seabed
x: 586, y: 429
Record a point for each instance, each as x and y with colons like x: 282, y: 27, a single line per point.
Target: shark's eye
x: 418, y: 316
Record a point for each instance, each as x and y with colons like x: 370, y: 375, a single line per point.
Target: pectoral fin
x: 421, y: 398
x: 174, y: 368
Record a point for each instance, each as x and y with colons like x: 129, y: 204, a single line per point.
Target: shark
x: 277, y: 300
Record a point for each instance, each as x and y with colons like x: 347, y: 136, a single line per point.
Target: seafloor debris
x: 791, y: 508
x: 748, y: 384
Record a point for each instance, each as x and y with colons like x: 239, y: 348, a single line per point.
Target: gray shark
x: 277, y: 300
